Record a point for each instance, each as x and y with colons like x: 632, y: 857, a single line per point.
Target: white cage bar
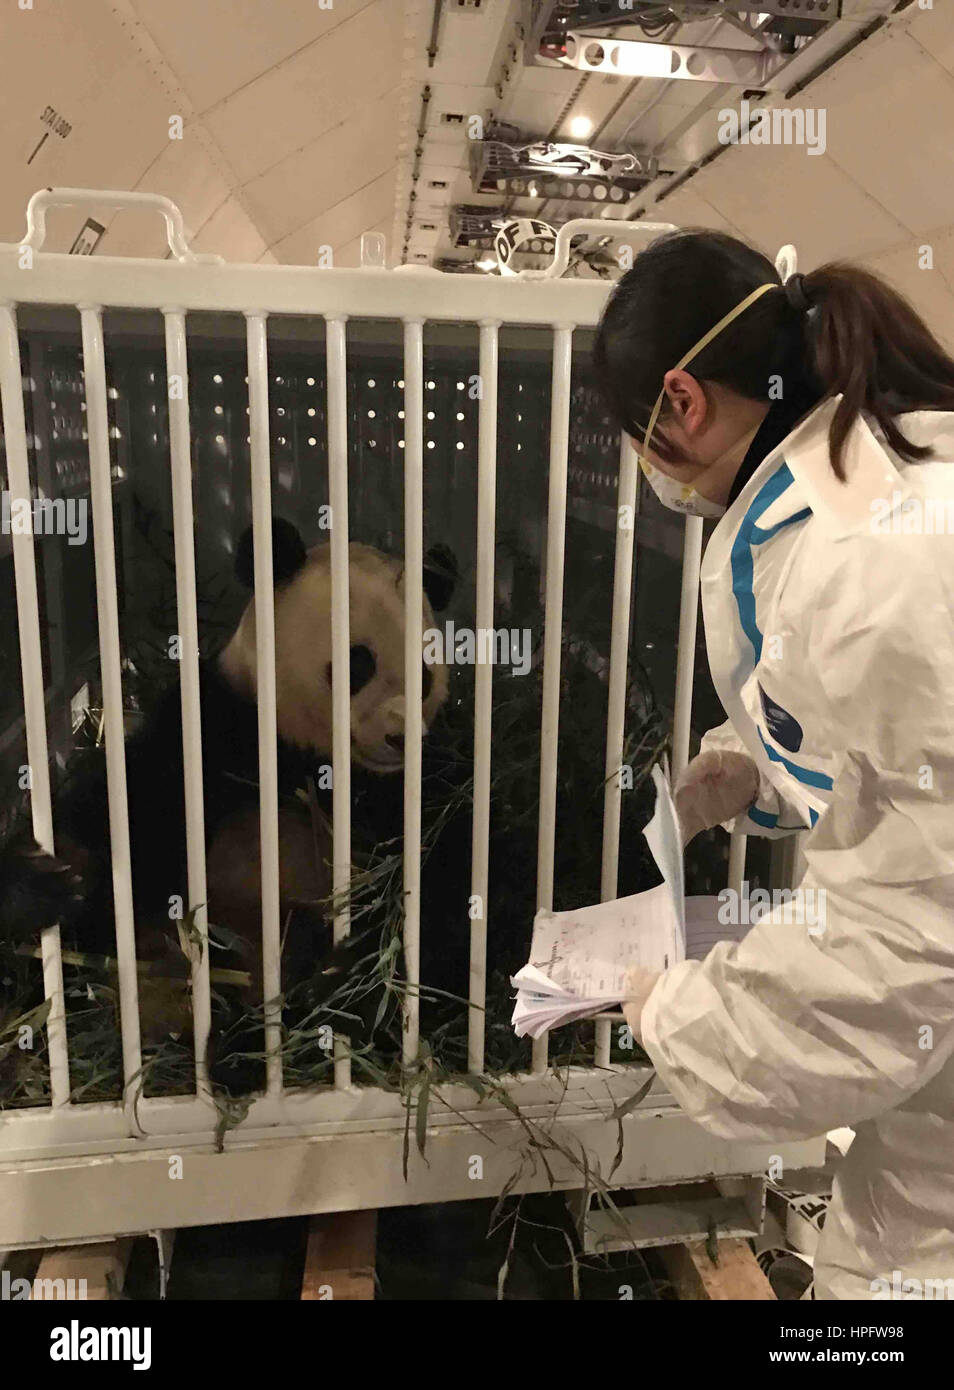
x: 337, y: 351
x: 616, y: 705
x: 75, y: 1171
x: 483, y: 690
x: 31, y: 660
x: 107, y: 611
x: 265, y: 690
x: 553, y: 628
x: 413, y: 686
x: 180, y: 459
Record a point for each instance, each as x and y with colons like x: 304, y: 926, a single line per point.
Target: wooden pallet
x: 734, y: 1275
x: 339, y: 1261
x: 340, y: 1265
x: 94, y: 1273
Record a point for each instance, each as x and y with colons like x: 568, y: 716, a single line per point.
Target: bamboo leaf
x: 35, y: 1018
x: 629, y: 1105
x: 423, y: 1096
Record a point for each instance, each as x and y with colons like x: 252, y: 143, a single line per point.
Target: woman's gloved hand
x: 714, y: 787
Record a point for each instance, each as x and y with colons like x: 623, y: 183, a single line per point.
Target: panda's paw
x: 37, y: 890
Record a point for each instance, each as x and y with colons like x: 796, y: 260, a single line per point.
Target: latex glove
x: 639, y: 986
x: 715, y: 787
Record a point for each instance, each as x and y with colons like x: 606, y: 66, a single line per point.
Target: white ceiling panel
x: 934, y: 30
x: 121, y: 129
x: 81, y: 72
x: 340, y: 225
x: 290, y: 106
x: 467, y: 44
x: 124, y: 128
x: 942, y: 244
x: 49, y: 59
x: 688, y: 208
x: 535, y: 113
x: 650, y: 130
x: 930, y: 291
x: 345, y: 159
x: 900, y: 150
x: 216, y: 47
x: 231, y: 233
x: 776, y: 194
x: 308, y: 109
x: 184, y: 173
x: 441, y: 170
x: 550, y: 81
x: 677, y: 93
x: 461, y: 101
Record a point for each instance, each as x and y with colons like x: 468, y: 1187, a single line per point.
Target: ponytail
x: 840, y: 331
x: 867, y: 344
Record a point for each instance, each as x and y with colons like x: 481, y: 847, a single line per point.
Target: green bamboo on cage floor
x: 375, y: 902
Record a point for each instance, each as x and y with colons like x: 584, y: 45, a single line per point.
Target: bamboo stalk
x: 143, y: 967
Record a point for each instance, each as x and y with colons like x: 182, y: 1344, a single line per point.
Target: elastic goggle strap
x: 702, y: 343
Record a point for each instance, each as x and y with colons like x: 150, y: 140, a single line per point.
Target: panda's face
x: 303, y: 658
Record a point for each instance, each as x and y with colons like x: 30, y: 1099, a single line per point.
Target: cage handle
x: 120, y: 201
x: 605, y: 226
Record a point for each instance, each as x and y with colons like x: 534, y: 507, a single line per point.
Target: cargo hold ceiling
x: 306, y: 124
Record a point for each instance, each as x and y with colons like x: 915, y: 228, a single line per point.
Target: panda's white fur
x: 303, y: 657
x: 154, y: 773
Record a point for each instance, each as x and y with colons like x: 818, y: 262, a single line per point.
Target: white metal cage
x: 72, y: 1171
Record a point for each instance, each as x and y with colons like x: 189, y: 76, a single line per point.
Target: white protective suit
x: 829, y: 614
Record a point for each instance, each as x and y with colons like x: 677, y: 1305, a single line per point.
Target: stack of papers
x: 579, y: 960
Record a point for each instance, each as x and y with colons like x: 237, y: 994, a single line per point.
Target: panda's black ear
x: 288, y: 553
x: 440, y: 576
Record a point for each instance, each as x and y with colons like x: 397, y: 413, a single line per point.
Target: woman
x: 817, y: 420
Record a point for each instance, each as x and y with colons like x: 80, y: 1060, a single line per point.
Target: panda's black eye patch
x: 363, y: 667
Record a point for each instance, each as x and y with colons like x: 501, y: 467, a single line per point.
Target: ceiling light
x: 580, y: 127
x: 486, y: 263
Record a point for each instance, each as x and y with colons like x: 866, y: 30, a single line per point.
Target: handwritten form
x: 579, y: 960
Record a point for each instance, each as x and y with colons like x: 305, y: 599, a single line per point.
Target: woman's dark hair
x: 861, y: 340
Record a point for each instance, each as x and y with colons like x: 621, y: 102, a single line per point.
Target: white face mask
x: 682, y: 497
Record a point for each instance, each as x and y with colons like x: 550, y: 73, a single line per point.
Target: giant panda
x: 75, y: 887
